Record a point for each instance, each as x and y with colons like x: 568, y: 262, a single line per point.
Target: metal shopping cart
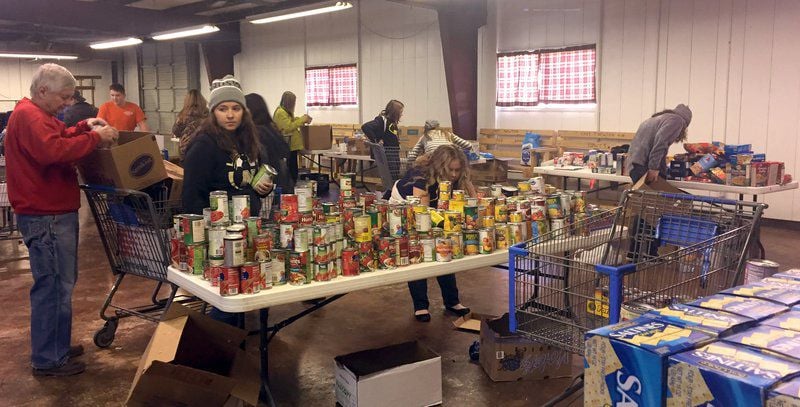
x: 652, y: 250
x: 391, y: 162
x: 135, y: 231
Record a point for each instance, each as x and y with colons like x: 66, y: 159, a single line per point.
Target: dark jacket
x: 77, y: 112
x: 379, y: 130
x: 275, y: 152
x: 207, y: 168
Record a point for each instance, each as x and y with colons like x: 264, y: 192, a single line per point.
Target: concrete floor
x: 301, y: 355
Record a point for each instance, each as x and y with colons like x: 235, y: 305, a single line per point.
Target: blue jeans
x: 419, y: 291
x: 52, y: 242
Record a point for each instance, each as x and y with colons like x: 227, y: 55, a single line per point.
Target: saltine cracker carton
x: 788, y: 320
x: 718, y: 323
x: 785, y: 394
x: 724, y: 374
x: 746, y: 307
x: 626, y: 362
x: 770, y: 340
x: 782, y: 293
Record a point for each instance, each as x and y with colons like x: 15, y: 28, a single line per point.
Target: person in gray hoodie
x: 648, y: 152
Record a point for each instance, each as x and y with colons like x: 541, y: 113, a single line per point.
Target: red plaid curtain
x: 547, y: 76
x: 332, y: 85
x: 517, y: 79
x: 567, y: 76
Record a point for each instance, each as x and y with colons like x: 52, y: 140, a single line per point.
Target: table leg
x: 564, y: 183
x: 265, y: 394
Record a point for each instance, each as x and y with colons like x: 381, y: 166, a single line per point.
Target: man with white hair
x: 41, y: 153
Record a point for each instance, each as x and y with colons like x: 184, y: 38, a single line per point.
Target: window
x: 565, y: 75
x: 332, y: 85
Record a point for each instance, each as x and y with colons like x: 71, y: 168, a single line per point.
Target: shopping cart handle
x: 96, y: 187
x: 708, y: 199
x: 614, y: 270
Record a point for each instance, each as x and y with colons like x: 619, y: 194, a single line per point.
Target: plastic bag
x: 531, y: 141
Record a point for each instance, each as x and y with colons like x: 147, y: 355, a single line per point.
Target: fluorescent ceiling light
x: 185, y: 32
x: 298, y: 12
x: 116, y: 43
x: 35, y: 56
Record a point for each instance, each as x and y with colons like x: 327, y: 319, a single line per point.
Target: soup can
x: 262, y: 245
x: 346, y: 181
x: 305, y: 197
x: 234, y: 250
x: 471, y: 246
x: 755, y: 270
x: 193, y: 228
x: 302, y: 238
x: 517, y: 231
x: 249, y: 278
x: 487, y: 221
x: 401, y: 251
x: 557, y: 227
x: 216, y: 242
x: 350, y: 262
x: 502, y: 236
x: 228, y: 281
x: 396, y: 221
x: 278, y: 267
x: 555, y: 210
x: 452, y: 221
x: 446, y: 186
x: 457, y: 245
x: 428, y: 250
x: 240, y: 209
x: 265, y: 268
x: 486, y: 238
x: 196, y: 258
x: 471, y: 217
x: 296, y: 276
x: 500, y: 213
x: 218, y: 201
x: 423, y: 221
x: 497, y: 190
x: 287, y: 235
x: 363, y: 228
x: 290, y: 212
x: 414, y: 251
x: 444, y: 249
x: 212, y: 275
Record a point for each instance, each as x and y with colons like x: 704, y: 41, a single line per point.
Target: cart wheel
x: 105, y: 335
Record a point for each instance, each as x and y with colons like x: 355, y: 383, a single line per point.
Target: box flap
x: 471, y: 322
x: 500, y: 327
x: 659, y: 184
x: 128, y: 136
x: 246, y: 378
x: 370, y: 361
x: 168, y: 384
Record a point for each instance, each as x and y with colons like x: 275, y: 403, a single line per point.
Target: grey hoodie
x: 654, y: 136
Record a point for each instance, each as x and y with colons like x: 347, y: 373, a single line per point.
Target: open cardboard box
x: 471, y: 322
x: 133, y: 163
x: 660, y: 184
x: 317, y: 136
x: 406, y: 374
x: 193, y: 360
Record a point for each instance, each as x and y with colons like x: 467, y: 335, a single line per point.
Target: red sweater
x: 41, y: 153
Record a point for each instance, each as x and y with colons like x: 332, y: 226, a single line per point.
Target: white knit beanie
x: 226, y: 89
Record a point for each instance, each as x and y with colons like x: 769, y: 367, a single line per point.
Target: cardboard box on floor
x: 507, y: 356
x: 134, y: 163
x: 193, y: 360
x: 317, y: 137
x: 406, y: 374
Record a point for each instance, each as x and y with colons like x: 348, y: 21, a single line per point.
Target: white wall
x: 15, y: 79
x: 400, y: 58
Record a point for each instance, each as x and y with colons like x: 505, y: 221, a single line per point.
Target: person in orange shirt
x: 121, y: 114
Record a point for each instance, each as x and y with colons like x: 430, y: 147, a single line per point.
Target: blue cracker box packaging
x: 718, y: 323
x: 724, y: 374
x: 788, y: 320
x: 785, y: 394
x: 746, y: 307
x: 770, y: 340
x: 626, y: 362
x: 779, y: 292
x: 793, y: 274
x: 731, y: 149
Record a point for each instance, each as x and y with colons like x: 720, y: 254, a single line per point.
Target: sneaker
x: 67, y: 369
x: 75, y: 351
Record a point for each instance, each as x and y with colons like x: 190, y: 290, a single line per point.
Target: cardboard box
x: 724, y: 374
x: 781, y: 293
x: 506, y: 356
x: 792, y: 274
x: 626, y: 363
x: 738, y: 175
x: 718, y: 323
x: 471, y: 322
x: 495, y: 170
x: 786, y: 394
x: 134, y: 163
x: 659, y: 184
x: 770, y: 340
x: 406, y: 374
x: 746, y: 307
x: 192, y: 360
x: 766, y: 173
x: 317, y: 137
x: 358, y: 147
x: 788, y: 320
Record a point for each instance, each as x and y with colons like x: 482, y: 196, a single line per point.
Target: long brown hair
x: 433, y: 167
x: 194, y: 105
x: 224, y: 139
x: 392, y: 109
x: 288, y: 100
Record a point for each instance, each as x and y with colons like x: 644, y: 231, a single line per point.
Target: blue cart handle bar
x: 707, y: 199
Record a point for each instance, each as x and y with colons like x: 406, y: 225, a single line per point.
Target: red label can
x: 212, y: 275
x: 401, y: 251
x: 307, y: 218
x: 350, y: 262
x: 249, y: 278
x: 177, y: 252
x: 228, y: 281
x: 262, y: 245
x: 289, y: 208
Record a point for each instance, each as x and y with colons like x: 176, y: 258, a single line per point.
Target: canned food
x: 517, y: 231
x: 212, y: 275
x: 193, y: 227
x: 557, y: 227
x: 755, y: 270
x: 523, y: 186
x: 497, y: 190
x: 177, y: 251
x: 346, y: 181
x: 296, y: 276
x: 216, y: 241
x: 423, y: 221
x: 175, y: 232
x: 500, y: 213
x: 287, y: 235
x: 443, y: 204
x: 554, y: 208
x: 228, y: 281
x: 350, y: 262
x: 305, y: 197
x: 502, y: 237
x: 218, y: 201
x: 362, y: 225
x: 234, y: 250
x: 262, y: 244
x: 452, y: 221
x: 278, y: 266
x: 471, y: 217
x: 253, y: 225
x: 457, y: 245
x: 486, y: 237
x: 444, y: 249
x: 456, y: 205
x: 306, y: 218
x: 471, y: 246
x: 487, y: 221
x: 537, y: 186
x: 302, y: 238
x: 290, y: 212
x: 241, y: 208
x: 538, y: 212
x: 437, y: 232
x: 332, y: 218
x: 321, y: 272
x: 249, y: 278
x: 329, y: 207
x: 264, y: 174
x: 401, y: 251
x: 320, y: 254
x: 265, y: 268
x: 515, y: 217
x: 566, y: 203
x: 428, y: 250
x: 396, y: 221
x: 414, y: 251
x: 207, y: 218
x: 458, y: 195
x: 195, y: 258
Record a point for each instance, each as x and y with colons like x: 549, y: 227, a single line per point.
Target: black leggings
x: 292, y: 164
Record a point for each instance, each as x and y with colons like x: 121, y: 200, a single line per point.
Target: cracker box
x: 793, y: 274
x: 785, y: 394
x: 724, y: 374
x: 779, y: 292
x: 738, y: 175
x: 746, y: 307
x: 731, y: 149
x: 626, y: 362
x: 718, y: 323
x: 788, y: 320
x: 769, y: 339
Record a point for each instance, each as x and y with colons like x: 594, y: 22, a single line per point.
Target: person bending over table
x: 383, y: 130
x: 446, y: 163
x: 434, y: 137
x: 224, y: 156
x: 647, y: 156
